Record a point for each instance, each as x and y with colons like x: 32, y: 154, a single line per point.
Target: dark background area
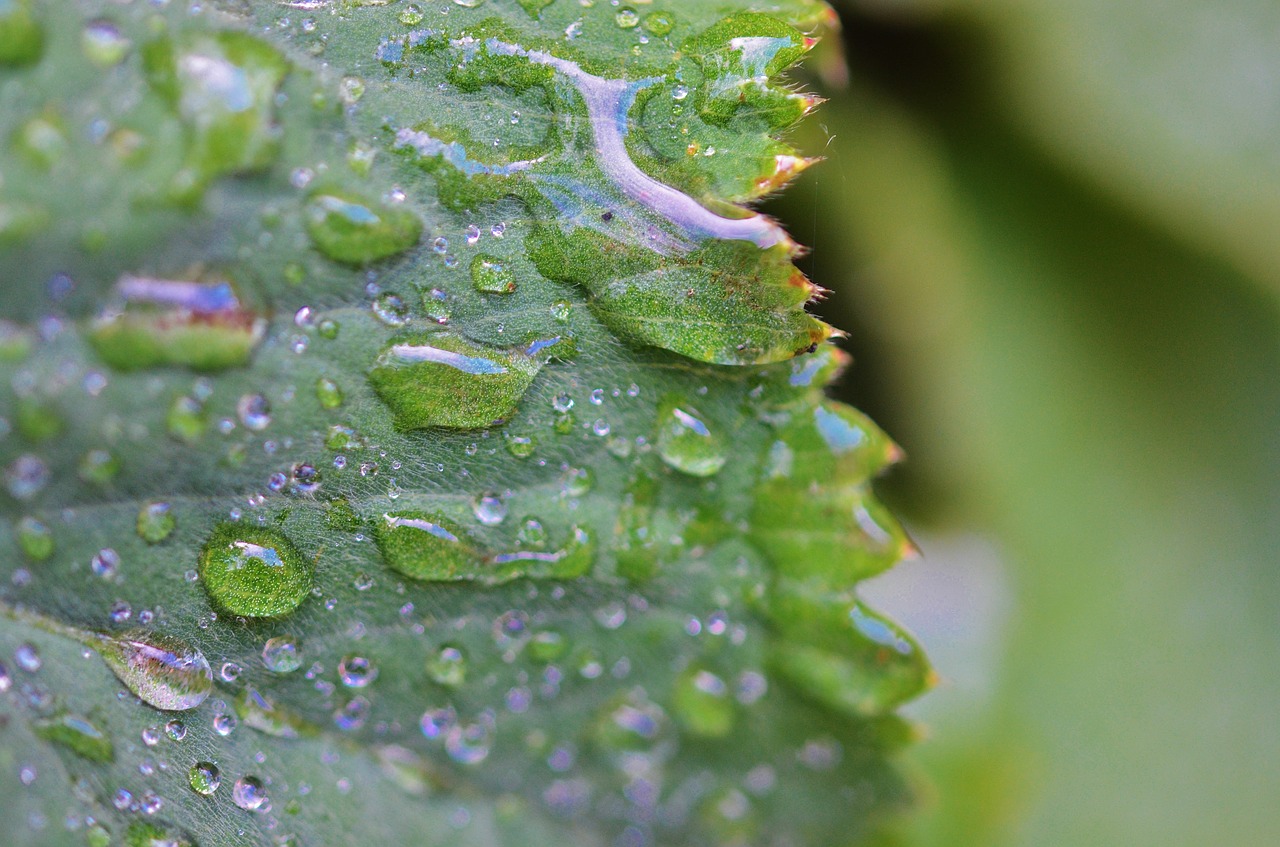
x: 1045, y: 226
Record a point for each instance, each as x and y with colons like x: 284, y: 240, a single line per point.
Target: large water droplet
x: 347, y: 228
x: 103, y: 43
x: 201, y: 326
x: 162, y: 671
x: 426, y: 545
x: 686, y: 442
x: 357, y: 672
x: 254, y: 571
x: 491, y: 275
x: 78, y: 735
x: 441, y: 379
x: 223, y: 86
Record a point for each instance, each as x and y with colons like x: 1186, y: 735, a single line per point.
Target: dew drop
x: 448, y: 666
x: 161, y: 671
x: 490, y: 275
x: 357, y: 672
x: 254, y: 412
x: 155, y: 522
x: 254, y: 571
x: 490, y: 510
x: 328, y: 393
x: 686, y: 442
x: 282, y: 654
x: 35, y: 539
x: 204, y: 778
x: 352, y: 230
x: 249, y: 793
x: 626, y: 18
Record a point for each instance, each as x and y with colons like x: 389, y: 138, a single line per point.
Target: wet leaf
x: 390, y: 420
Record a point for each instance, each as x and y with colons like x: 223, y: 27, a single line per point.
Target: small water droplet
x: 490, y: 510
x: 254, y: 412
x: 357, y: 671
x: 155, y: 522
x: 448, y: 666
x: 282, y: 654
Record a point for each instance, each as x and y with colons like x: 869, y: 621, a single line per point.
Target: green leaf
x: 394, y: 437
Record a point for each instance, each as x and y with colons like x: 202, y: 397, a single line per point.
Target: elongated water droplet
x: 426, y: 545
x: 254, y: 571
x: 196, y: 325
x: 78, y: 735
x: 440, y: 379
x: 162, y: 671
x: 350, y: 229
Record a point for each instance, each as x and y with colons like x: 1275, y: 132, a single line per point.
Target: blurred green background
x: 1053, y: 231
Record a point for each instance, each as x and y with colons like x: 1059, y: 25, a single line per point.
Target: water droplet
x: 411, y: 15
x: 547, y: 646
x: 626, y: 18
x: 490, y: 510
x: 702, y: 704
x: 186, y: 420
x: 491, y: 275
x: 468, y: 745
x: 161, y: 671
x: 35, y: 539
x: 254, y: 571
x: 282, y: 654
x: 229, y: 672
x: 426, y: 545
x: 105, y: 563
x: 357, y: 671
x: 349, y: 229
x: 204, y: 778
x: 21, y: 36
x: 328, y: 393
x: 155, y: 522
x: 391, y: 309
x: 686, y: 442
x: 520, y: 446
x: 254, y: 412
x: 249, y: 793
x: 350, y: 90
x: 78, y: 735
x: 224, y: 724
x: 448, y: 666
x: 434, y: 723
x: 659, y: 23
x: 26, y: 476
x: 103, y: 43
x: 175, y: 729
x: 328, y: 328
x: 440, y: 379
x: 223, y: 85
